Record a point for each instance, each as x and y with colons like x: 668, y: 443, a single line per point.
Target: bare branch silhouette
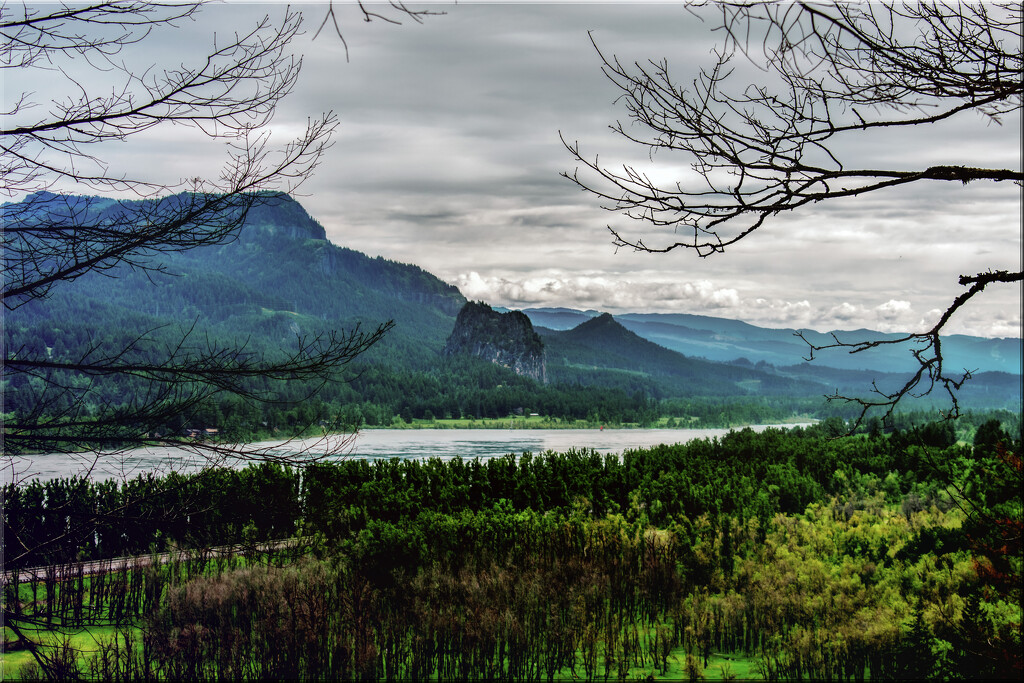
x: 834, y: 73
x: 395, y: 11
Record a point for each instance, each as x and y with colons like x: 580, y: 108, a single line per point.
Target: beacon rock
x: 507, y: 339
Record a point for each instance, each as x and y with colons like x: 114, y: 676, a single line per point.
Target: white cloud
x: 780, y: 313
x: 1002, y: 328
x: 845, y: 312
x: 893, y: 310
x: 617, y: 293
x: 605, y: 292
x: 929, y: 319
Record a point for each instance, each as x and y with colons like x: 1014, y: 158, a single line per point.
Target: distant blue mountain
x: 724, y: 340
x: 603, y: 343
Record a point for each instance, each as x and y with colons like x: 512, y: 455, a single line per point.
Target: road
x: 116, y: 564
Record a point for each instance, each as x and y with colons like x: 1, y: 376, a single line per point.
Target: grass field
x: 543, y: 422
x: 512, y: 422
x: 86, y: 639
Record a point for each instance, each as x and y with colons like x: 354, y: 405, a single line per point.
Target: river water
x: 368, y: 444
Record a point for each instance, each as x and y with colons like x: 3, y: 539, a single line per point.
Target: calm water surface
x: 369, y: 444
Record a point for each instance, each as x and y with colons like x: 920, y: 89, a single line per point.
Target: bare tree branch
x: 396, y: 10
x: 834, y: 72
x: 50, y: 240
x: 927, y: 353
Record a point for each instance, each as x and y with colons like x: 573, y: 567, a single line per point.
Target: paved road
x: 116, y: 564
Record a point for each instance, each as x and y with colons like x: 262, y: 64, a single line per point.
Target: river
x: 369, y: 444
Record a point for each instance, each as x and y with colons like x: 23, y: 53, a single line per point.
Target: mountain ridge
x: 278, y: 264
x: 612, y: 346
x: 729, y: 340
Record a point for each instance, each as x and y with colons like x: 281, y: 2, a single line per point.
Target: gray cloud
x: 448, y: 156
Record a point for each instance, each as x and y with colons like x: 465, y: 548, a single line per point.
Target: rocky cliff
x: 507, y: 339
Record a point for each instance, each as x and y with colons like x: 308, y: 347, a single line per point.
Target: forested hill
x: 278, y: 279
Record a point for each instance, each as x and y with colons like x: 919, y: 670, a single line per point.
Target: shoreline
x: 544, y: 423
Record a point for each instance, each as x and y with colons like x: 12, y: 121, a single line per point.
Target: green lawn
x: 511, y: 422
x: 83, y: 639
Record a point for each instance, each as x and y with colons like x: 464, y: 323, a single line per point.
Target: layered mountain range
x: 721, y: 339
x: 281, y: 279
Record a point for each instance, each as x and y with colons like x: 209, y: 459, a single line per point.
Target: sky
x: 448, y: 155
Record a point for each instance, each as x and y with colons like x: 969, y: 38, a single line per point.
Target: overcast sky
x: 448, y: 156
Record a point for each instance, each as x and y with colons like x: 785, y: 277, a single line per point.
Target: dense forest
x: 385, y: 387
x: 800, y: 554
